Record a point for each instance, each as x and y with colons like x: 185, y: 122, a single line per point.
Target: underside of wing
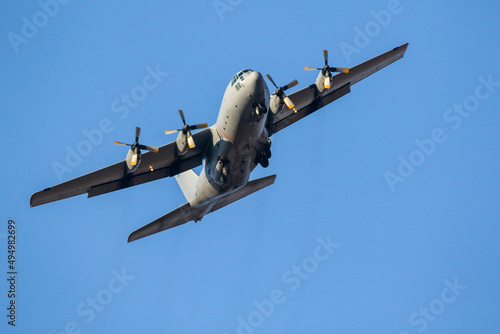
x: 309, y: 99
x: 153, y: 166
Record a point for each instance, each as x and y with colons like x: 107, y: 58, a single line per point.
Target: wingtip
x: 405, y: 47
x: 402, y: 46
x: 32, y: 204
x: 131, y: 238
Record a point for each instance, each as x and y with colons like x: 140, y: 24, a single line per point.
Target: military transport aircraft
x: 229, y: 150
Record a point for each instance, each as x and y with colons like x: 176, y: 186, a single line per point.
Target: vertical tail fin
x: 187, y: 182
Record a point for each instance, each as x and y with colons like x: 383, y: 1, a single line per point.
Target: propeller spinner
x: 280, y: 92
x: 186, y: 130
x: 327, y: 70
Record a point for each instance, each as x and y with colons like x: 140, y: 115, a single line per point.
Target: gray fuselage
x: 238, y: 138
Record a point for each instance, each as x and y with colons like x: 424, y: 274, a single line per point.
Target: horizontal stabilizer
x: 246, y: 190
x: 186, y: 213
x: 174, y: 218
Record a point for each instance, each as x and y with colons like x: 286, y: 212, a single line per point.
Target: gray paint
x: 230, y: 149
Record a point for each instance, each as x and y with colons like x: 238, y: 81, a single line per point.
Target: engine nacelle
x: 182, y: 144
x: 323, y: 82
x: 276, y: 105
x: 133, y: 159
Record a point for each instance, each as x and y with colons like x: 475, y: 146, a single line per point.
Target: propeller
x: 137, y: 146
x: 280, y: 92
x: 327, y: 70
x: 186, y: 130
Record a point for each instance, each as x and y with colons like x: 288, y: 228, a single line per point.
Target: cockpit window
x: 234, y: 80
x: 240, y: 76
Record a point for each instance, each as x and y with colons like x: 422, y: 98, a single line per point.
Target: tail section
x: 186, y: 213
x: 187, y: 182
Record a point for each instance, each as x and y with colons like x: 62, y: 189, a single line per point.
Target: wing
x: 186, y: 213
x: 309, y: 99
x: 153, y: 166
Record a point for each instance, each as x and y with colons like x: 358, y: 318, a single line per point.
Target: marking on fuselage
x: 218, y: 126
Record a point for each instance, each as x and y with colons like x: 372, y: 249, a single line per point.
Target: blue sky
x: 334, y: 246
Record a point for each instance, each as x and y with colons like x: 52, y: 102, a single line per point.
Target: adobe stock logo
x: 430, y: 313
x: 292, y: 278
x: 223, y: 6
x: 30, y: 28
x: 363, y: 37
x: 97, y: 303
x: 122, y: 108
x: 428, y: 146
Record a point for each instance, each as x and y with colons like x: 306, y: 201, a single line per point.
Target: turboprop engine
x: 133, y: 158
x: 324, y: 80
x: 185, y: 139
x: 279, y: 98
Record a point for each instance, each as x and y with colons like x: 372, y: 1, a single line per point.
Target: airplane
x: 229, y: 150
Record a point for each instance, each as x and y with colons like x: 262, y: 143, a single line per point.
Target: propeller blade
x: 182, y: 117
x: 340, y: 69
x: 133, y: 162
x: 186, y: 130
x: 120, y: 143
x: 327, y: 82
x: 280, y: 92
x: 190, y: 140
x: 198, y: 126
x: 172, y: 131
x: 272, y: 81
x: 137, y: 133
x: 289, y: 103
x: 328, y: 68
x: 291, y: 84
x: 149, y: 148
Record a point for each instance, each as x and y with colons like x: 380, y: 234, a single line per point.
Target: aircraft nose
x: 255, y: 82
